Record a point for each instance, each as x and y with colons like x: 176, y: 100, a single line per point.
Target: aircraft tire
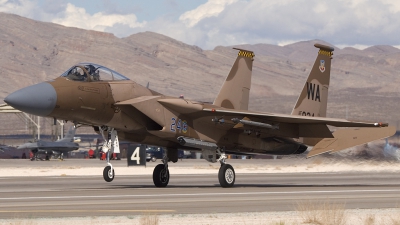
x: 108, y: 175
x: 160, y: 176
x: 226, y: 176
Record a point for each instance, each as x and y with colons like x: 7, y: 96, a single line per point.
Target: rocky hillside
x: 365, y: 82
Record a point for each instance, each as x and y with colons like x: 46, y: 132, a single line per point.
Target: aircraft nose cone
x: 39, y: 99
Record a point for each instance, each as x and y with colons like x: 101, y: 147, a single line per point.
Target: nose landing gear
x: 110, y: 145
x: 108, y: 173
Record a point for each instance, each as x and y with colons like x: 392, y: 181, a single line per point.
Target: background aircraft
x: 115, y: 106
x: 57, y: 148
x: 390, y: 151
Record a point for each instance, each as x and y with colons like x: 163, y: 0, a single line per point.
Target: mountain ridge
x: 34, y: 51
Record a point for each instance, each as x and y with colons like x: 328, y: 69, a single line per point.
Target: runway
x: 66, y: 196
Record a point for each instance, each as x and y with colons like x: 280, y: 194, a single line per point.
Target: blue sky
x: 209, y: 23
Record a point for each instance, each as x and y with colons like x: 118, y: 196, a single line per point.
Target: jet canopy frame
x: 91, y: 72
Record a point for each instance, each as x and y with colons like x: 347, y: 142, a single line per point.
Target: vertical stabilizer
x: 235, y: 91
x: 313, y: 99
x: 70, y: 135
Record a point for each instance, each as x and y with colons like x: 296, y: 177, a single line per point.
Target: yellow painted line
x: 94, y: 210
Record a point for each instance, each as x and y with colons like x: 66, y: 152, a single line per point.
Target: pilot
x: 93, y: 73
x: 90, y: 69
x: 77, y: 74
x: 96, y: 76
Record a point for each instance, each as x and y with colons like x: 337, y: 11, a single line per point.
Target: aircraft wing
x: 28, y: 145
x: 291, y: 125
x: 275, y: 124
x: 282, y: 118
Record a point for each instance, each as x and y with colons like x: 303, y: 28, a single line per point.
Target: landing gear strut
x: 111, y: 144
x: 35, y: 155
x: 161, y: 172
x: 226, y: 173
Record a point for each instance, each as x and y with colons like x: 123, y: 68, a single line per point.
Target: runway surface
x: 64, y: 196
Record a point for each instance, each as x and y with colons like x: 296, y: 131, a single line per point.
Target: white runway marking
x: 89, y: 210
x: 74, y: 177
x: 200, y: 194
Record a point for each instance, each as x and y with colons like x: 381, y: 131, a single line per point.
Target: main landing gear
x: 110, y: 145
x: 161, y: 175
x: 35, y: 155
x: 61, y: 158
x: 226, y: 173
x: 161, y: 172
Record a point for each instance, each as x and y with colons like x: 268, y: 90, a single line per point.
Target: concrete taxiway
x: 65, y: 196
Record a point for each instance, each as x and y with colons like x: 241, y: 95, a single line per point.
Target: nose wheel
x: 108, y: 174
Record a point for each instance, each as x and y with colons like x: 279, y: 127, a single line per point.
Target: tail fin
x: 235, y: 91
x: 69, y: 137
x: 313, y: 99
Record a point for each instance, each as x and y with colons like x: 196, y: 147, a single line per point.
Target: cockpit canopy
x: 91, y: 72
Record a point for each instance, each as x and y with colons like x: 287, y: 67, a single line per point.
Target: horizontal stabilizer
x: 350, y: 137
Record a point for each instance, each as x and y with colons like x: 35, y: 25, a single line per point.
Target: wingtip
x: 381, y: 124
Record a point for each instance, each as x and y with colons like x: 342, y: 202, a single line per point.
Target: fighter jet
x: 390, y: 151
x: 117, y: 107
x: 49, y: 148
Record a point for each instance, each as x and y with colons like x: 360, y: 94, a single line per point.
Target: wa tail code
x: 312, y: 92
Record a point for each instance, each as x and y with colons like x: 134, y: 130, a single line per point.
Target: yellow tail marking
x: 246, y: 54
x: 327, y: 53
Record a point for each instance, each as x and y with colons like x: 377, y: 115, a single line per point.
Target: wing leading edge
x: 282, y: 118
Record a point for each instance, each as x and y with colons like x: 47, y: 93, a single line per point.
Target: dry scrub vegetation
x: 149, y: 219
x: 333, y: 213
x: 307, y: 213
x: 325, y: 212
